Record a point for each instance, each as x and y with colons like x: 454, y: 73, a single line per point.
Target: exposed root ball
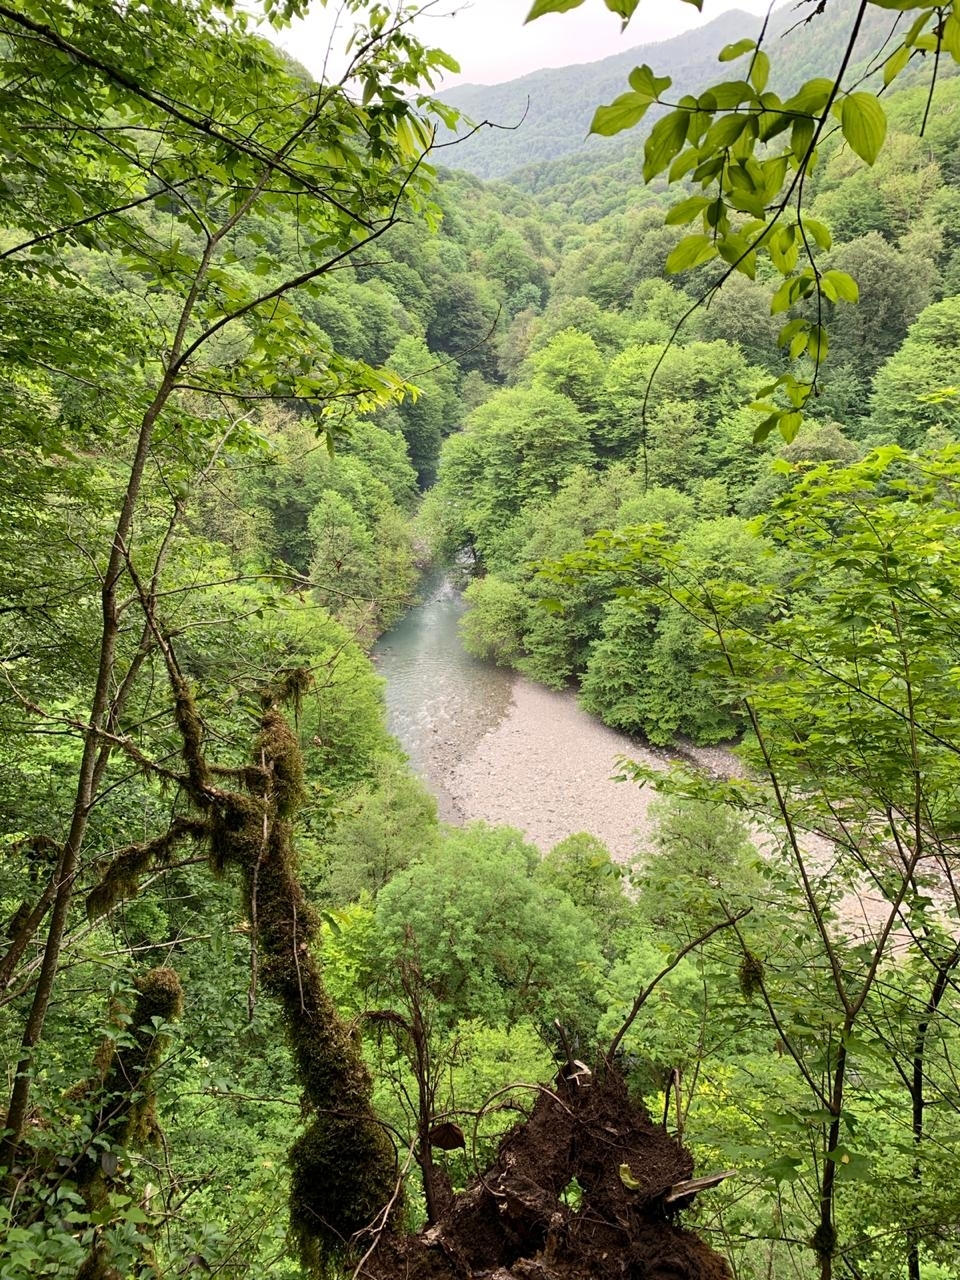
x: 514, y: 1223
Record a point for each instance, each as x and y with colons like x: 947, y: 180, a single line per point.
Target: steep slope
x: 544, y: 118
x: 547, y: 114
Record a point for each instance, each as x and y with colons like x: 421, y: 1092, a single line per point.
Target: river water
x: 492, y: 745
x: 440, y: 700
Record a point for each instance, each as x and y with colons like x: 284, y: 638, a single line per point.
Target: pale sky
x: 489, y: 40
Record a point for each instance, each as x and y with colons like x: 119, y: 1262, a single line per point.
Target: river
x: 490, y: 744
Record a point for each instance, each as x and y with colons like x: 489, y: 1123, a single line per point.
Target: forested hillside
x: 540, y: 123
x: 262, y: 360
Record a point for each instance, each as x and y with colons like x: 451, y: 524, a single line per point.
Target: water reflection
x: 440, y: 700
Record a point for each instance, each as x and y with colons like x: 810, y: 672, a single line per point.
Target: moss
x: 280, y: 747
x: 343, y: 1166
x: 129, y: 1097
x: 127, y: 1114
x: 289, y: 689
x: 751, y: 975
x: 191, y: 734
x: 122, y: 877
x: 824, y: 1242
x: 41, y: 854
x: 343, y: 1173
x: 236, y: 831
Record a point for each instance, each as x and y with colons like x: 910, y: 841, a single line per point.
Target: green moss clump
x: 751, y: 975
x: 343, y: 1174
x: 191, y: 734
x: 127, y: 1115
x: 824, y: 1242
x: 236, y: 831
x: 344, y: 1167
x: 122, y: 877
x: 279, y: 746
x: 127, y: 1087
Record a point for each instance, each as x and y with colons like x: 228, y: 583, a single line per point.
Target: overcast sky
x: 489, y: 40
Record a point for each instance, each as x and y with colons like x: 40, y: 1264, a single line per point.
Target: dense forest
x: 268, y: 352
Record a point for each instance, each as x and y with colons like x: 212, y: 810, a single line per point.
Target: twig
x: 651, y: 986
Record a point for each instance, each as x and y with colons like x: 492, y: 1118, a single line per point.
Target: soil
x: 516, y: 1222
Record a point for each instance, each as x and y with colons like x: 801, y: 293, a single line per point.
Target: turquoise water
x: 440, y: 700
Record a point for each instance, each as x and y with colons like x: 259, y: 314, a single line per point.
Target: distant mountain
x: 545, y: 116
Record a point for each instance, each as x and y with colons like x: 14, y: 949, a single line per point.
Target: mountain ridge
x: 544, y: 115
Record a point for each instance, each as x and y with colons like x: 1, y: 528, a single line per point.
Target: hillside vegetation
x: 262, y: 1015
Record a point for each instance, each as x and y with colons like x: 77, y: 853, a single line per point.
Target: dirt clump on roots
x: 578, y: 1190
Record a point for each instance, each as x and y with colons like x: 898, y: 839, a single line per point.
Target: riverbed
x: 492, y: 745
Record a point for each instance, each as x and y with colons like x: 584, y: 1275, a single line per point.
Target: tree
x: 753, y: 201
x: 130, y: 140
x: 490, y: 938
x: 571, y: 364
x: 915, y: 390
x: 516, y: 448
x: 712, y: 378
x: 853, y: 716
x: 429, y: 412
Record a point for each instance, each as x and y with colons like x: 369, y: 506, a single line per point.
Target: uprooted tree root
x: 519, y: 1222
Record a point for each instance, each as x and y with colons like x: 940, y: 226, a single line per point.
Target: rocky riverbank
x: 548, y: 769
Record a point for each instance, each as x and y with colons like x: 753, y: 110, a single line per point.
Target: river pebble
x: 548, y: 769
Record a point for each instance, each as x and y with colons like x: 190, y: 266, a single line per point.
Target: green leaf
x: 643, y: 80
x: 818, y: 343
x: 725, y: 131
x: 895, y: 64
x: 864, y: 124
x: 810, y: 98
x: 736, y: 250
x: 760, y: 71
x: 790, y: 330
x: 730, y: 52
x: 766, y: 428
x: 726, y: 95
x: 783, y: 299
x: 789, y: 425
x: 951, y: 36
x: 684, y: 162
x: 801, y: 135
x: 540, y: 7
x: 622, y: 8
x: 686, y: 210
x: 838, y: 284
x: 709, y: 169
x: 666, y: 138
x: 784, y: 249
x: 691, y: 252
x: 818, y: 230
x: 623, y: 113
x: 798, y: 345
x: 783, y: 1169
